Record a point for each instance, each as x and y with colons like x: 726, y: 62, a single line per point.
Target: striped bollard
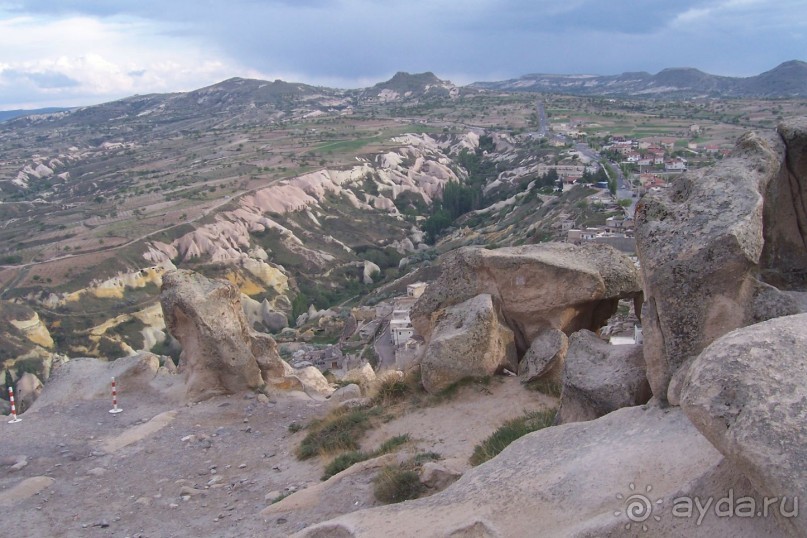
x: 115, y: 409
x: 14, y: 417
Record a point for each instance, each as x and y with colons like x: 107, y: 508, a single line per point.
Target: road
x: 623, y: 188
x: 543, y: 125
x: 384, y: 349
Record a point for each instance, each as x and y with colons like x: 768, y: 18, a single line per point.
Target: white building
x: 401, y: 330
x: 416, y: 290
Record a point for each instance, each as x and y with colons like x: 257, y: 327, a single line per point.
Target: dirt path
x: 162, y: 470
x: 121, y: 475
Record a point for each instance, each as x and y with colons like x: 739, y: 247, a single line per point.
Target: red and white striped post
x: 115, y: 409
x: 14, y: 417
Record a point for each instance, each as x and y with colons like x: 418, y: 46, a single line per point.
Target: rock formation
x: 89, y: 379
x: 536, y: 287
x: 546, y: 351
x: 469, y: 340
x: 29, y: 387
x: 599, y: 378
x: 221, y: 354
x: 564, y: 481
x: 747, y: 393
x: 711, y: 246
x: 725, y: 248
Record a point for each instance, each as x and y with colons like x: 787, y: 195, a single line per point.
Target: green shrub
x: 339, y: 431
x: 395, y: 484
x: 509, y: 432
x: 423, y: 457
x: 343, y: 461
x: 545, y: 386
x: 281, y: 497
x: 391, y: 391
x: 294, y: 427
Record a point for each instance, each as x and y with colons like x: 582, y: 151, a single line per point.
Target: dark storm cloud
x: 359, y: 42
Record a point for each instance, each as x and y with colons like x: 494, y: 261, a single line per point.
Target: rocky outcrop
x: 261, y: 315
x: 747, y: 393
x: 547, y: 351
x: 575, y: 480
x: 29, y: 387
x: 220, y: 353
x: 89, y: 379
x: 711, y: 246
x: 469, y: 340
x: 599, y: 378
x: 536, y: 287
x: 205, y: 316
x: 784, y: 255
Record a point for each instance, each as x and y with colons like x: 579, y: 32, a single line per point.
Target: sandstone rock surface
x: 90, y: 379
x: 29, y: 387
x: 747, y: 393
x: 563, y: 481
x: 469, y: 340
x: 547, y: 351
x: 599, y: 378
x: 221, y: 354
x: 704, y: 243
x: 537, y: 287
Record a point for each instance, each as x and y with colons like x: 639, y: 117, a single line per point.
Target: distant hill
x: 407, y: 86
x: 787, y: 80
x: 233, y: 99
x: 11, y: 114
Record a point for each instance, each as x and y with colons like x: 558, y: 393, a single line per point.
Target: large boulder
x: 784, y: 255
x: 713, y: 244
x: 547, y: 351
x: 536, y: 287
x: 469, y: 341
x: 221, y: 354
x: 579, y: 479
x: 747, y: 393
x: 599, y: 378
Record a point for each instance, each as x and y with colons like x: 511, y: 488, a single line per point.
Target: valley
x: 295, y: 192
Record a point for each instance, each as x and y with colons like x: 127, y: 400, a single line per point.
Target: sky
x: 83, y: 52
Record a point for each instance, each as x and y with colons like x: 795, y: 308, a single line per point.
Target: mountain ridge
x: 788, y: 79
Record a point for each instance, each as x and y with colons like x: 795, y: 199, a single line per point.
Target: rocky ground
x: 206, y: 469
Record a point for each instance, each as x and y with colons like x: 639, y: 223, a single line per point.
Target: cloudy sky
x: 80, y: 52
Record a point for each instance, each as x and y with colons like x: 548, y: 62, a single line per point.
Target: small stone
x: 282, y: 521
x: 145, y: 501
x: 187, y: 491
x: 21, y: 463
x: 271, y: 496
x: 189, y: 439
x: 263, y: 398
x: 173, y: 505
x: 242, y: 466
x: 97, y: 471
